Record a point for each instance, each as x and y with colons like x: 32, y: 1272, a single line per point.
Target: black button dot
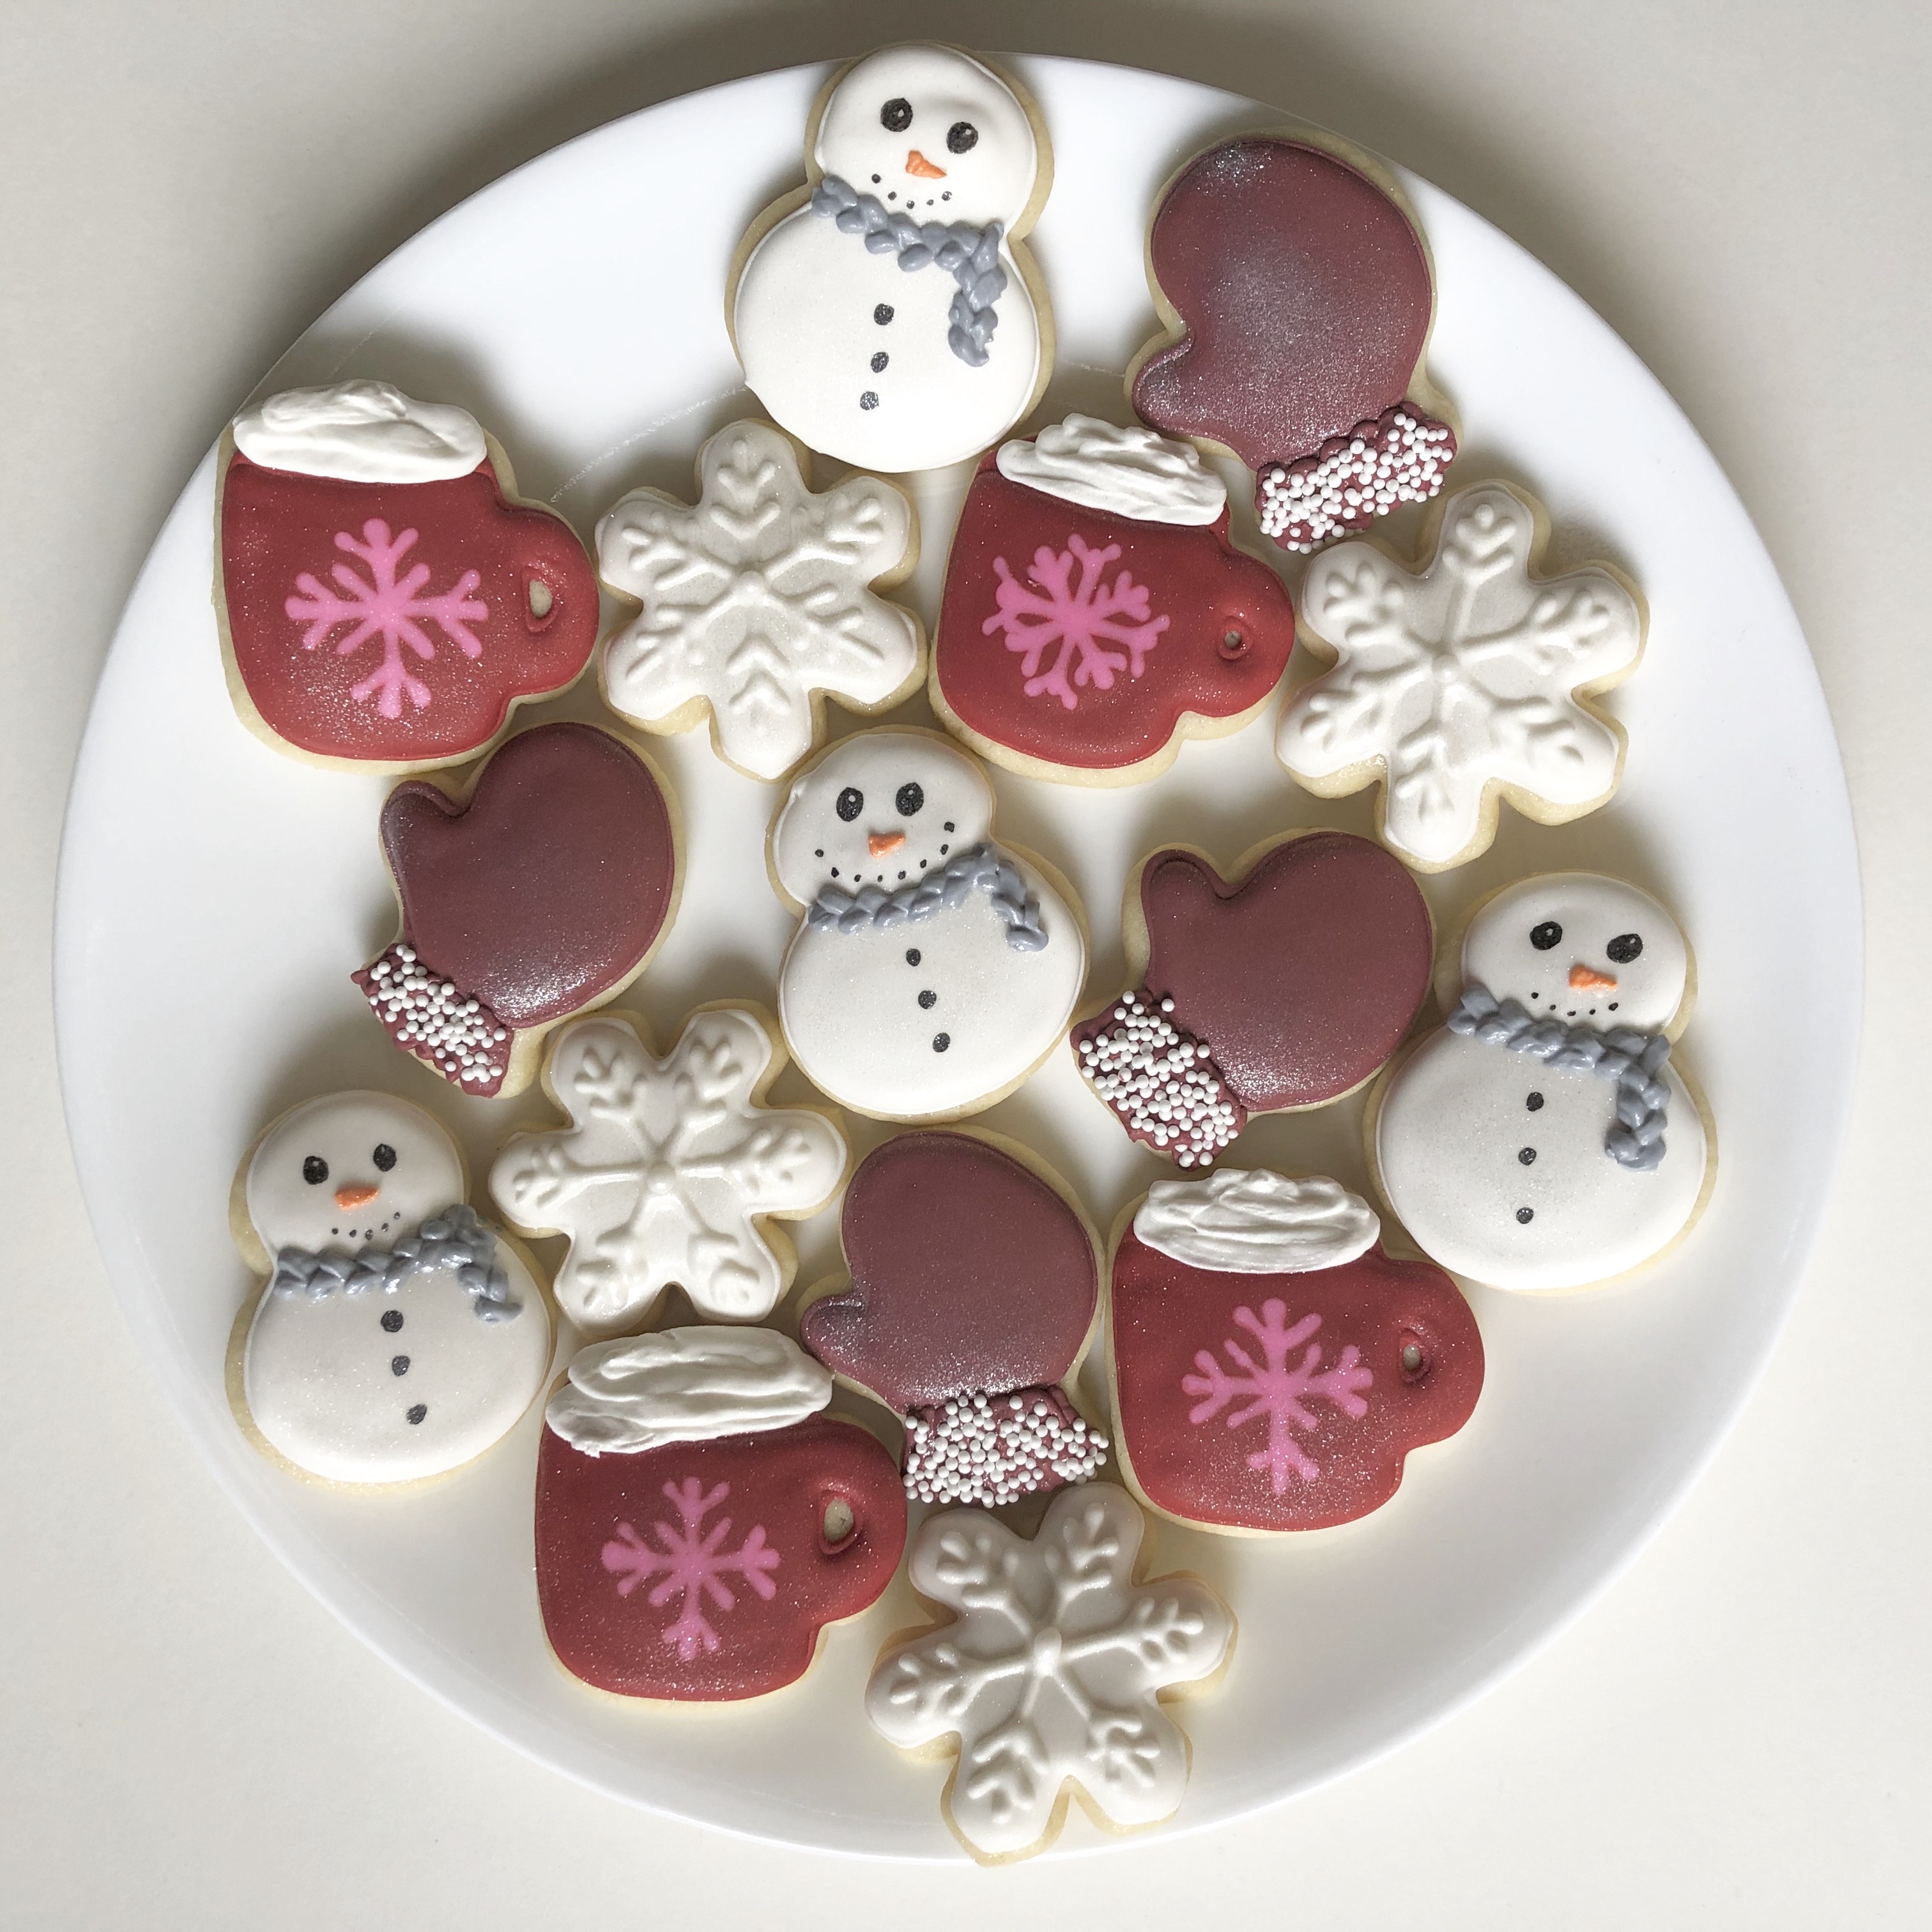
x: 879, y: 360
x: 1526, y: 1215
x: 399, y: 1365
x: 928, y: 997
x: 417, y: 1414
x: 941, y: 1041
x: 392, y: 1320
x: 869, y: 399
x: 912, y: 956
x: 883, y: 314
x: 1527, y: 1156
x: 1534, y: 1101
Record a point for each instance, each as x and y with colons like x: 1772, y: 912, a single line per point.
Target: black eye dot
x: 851, y: 802
x: 1544, y: 937
x: 1534, y: 1101
x: 895, y: 117
x: 1625, y: 947
x: 392, y: 1320
x: 883, y: 314
x: 385, y: 1156
x: 910, y: 798
x: 315, y: 1170
x: 962, y: 136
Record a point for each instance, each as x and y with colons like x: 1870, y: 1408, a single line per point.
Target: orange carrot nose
x: 880, y: 843
x: 1587, y: 979
x: 359, y: 1196
x: 917, y: 164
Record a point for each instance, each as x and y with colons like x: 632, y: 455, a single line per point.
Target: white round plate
x: 214, y: 897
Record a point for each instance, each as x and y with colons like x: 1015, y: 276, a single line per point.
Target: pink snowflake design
x: 1276, y: 1389
x: 1081, y: 618
x: 382, y: 601
x: 693, y: 1563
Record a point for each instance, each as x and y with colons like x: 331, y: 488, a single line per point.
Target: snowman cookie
x: 1468, y: 683
x: 699, y: 1523
x: 973, y: 1297
x: 385, y: 597
x: 758, y: 601
x: 539, y: 890
x: 933, y: 968
x: 1050, y: 1674
x: 1272, y: 1366
x: 1096, y: 614
x: 1543, y: 1139
x: 397, y: 1336
x: 670, y: 1170
x: 1296, y: 294
x: 886, y: 314
x: 1285, y: 986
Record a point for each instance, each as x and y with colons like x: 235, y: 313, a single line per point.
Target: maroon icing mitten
x: 1286, y: 988
x: 1272, y: 1366
x: 1301, y: 295
x: 973, y: 1298
x: 1095, y: 612
x: 698, y: 1522
x: 385, y: 597
x: 541, y: 893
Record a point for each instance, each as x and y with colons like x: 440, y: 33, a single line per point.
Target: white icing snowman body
x: 849, y: 350
x: 897, y: 1012
x: 1495, y: 1160
x: 363, y: 1382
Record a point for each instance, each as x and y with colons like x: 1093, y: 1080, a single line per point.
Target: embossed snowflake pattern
x: 1052, y: 1669
x: 756, y: 597
x: 664, y: 1166
x: 1275, y: 1387
x: 692, y: 1564
x: 391, y: 606
x: 1464, y: 680
x: 1083, y: 616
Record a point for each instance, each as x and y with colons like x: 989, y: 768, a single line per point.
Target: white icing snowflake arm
x: 663, y: 1168
x: 757, y: 597
x: 1463, y: 679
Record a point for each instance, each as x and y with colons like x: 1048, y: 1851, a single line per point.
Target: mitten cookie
x: 397, y: 1336
x: 933, y: 969
x: 886, y: 313
x: 1296, y: 295
x: 1286, y: 988
x: 385, y: 596
x: 699, y: 1523
x: 1095, y: 613
x: 539, y: 890
x: 1271, y: 1366
x: 974, y: 1293
x: 1542, y: 1138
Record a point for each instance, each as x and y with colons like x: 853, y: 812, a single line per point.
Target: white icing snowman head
x: 350, y: 1169
x: 884, y: 809
x: 930, y: 131
x: 1587, y: 949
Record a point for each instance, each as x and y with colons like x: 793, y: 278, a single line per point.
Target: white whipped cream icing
x: 360, y: 432
x: 685, y: 1385
x: 1253, y: 1221
x: 1125, y: 472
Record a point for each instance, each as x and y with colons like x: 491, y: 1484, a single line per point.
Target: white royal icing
x: 850, y: 1001
x: 757, y: 597
x: 1455, y: 1122
x: 1256, y: 1222
x: 664, y: 1169
x: 360, y: 432
x: 1125, y: 472
x: 1462, y: 679
x: 804, y: 310
x: 1051, y: 1670
x: 320, y: 1374
x: 685, y: 1385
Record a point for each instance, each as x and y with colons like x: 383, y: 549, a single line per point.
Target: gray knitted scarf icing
x: 454, y: 1241
x: 984, y: 868
x: 971, y: 256
x: 1634, y: 1060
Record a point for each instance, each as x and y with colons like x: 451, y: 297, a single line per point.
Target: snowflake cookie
x: 698, y: 1522
x: 669, y: 1169
x: 972, y: 1296
x: 1051, y: 1673
x: 384, y: 597
x: 1272, y: 1367
x: 1469, y: 682
x: 758, y: 601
